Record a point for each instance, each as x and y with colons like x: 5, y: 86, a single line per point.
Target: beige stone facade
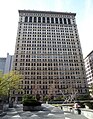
x: 48, y: 54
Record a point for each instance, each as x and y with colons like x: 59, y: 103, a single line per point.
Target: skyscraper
x: 48, y: 54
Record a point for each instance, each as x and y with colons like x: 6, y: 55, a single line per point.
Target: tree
x: 46, y: 98
x: 59, y: 98
x: 9, y: 82
x: 83, y: 97
x: 38, y: 97
x: 91, y: 90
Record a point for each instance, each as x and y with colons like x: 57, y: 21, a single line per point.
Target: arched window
x: 65, y: 21
x: 69, y: 22
x: 35, y: 19
x: 56, y: 20
x: 26, y: 19
x: 39, y: 19
x: 48, y: 20
x: 52, y: 20
x: 30, y: 19
x: 43, y: 19
x: 60, y: 20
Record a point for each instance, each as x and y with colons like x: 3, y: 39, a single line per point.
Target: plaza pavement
x: 50, y: 112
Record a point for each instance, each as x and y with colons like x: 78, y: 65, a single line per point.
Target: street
x: 54, y: 113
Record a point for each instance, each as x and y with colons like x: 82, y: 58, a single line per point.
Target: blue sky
x: 9, y: 20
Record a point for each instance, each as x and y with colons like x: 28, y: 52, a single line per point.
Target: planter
x: 31, y: 104
x: 32, y: 108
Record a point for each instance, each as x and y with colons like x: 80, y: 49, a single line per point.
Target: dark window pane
x: 56, y: 19
x: 26, y: 19
x: 69, y: 22
x: 48, y: 21
x: 30, y: 19
x: 60, y: 20
x: 35, y: 19
x: 52, y: 20
x: 65, y: 21
x: 39, y: 19
x: 43, y: 19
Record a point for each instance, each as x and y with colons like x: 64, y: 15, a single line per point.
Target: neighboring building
x: 9, y: 63
x: 48, y: 54
x: 2, y: 64
x: 6, y: 64
x: 89, y: 68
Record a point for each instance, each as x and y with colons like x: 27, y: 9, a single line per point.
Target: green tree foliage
x: 46, y: 98
x: 83, y: 97
x: 38, y: 97
x: 59, y: 98
x: 9, y: 82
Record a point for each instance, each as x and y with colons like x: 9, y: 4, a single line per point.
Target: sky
x: 9, y: 20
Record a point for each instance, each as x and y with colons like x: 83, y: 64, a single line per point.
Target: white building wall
x: 89, y: 68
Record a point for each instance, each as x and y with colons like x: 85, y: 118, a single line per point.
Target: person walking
x: 77, y: 108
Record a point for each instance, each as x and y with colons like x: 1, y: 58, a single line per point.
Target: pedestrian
x: 70, y: 109
x: 77, y: 108
x: 61, y: 107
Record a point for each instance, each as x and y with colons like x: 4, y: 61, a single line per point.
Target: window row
x: 53, y: 73
x: 49, y: 82
x: 49, y: 68
x: 52, y: 77
x: 48, y: 20
x: 48, y: 64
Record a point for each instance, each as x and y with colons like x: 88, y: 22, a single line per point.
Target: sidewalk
x: 5, y: 108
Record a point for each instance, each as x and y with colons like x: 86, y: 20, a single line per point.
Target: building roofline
x: 2, y: 57
x: 46, y: 12
x: 89, y: 54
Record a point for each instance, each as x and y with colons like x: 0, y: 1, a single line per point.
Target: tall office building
x: 48, y: 54
x: 89, y: 68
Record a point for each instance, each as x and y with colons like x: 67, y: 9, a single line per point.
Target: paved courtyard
x: 50, y: 112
